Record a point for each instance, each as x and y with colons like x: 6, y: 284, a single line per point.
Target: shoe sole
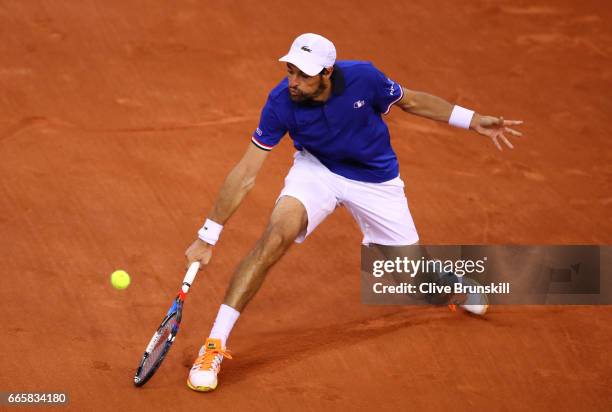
x: 200, y: 388
x: 478, y: 309
x: 480, y: 312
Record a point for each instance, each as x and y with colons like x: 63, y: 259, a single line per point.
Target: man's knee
x: 288, y: 220
x: 291, y: 212
x: 277, y: 237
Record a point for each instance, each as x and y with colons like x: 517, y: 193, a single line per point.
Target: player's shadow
x: 291, y: 346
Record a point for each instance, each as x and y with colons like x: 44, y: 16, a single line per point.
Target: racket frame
x: 175, y: 311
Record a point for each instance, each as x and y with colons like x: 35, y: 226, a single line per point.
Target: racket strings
x: 159, y: 348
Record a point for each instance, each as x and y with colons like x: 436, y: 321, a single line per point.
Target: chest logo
x: 359, y: 104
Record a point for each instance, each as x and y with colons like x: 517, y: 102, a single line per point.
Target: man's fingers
x: 506, y: 141
x: 512, y: 131
x: 193, y: 261
x: 512, y: 122
x: 494, y: 138
x: 189, y: 260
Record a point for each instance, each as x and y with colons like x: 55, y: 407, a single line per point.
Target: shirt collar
x: 338, y: 86
x: 337, y: 79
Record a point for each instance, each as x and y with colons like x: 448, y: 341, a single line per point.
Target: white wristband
x: 210, y: 232
x: 461, y: 117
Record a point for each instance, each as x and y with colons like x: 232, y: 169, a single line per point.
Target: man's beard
x: 304, y: 98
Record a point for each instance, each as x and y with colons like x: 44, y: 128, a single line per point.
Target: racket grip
x: 191, y: 273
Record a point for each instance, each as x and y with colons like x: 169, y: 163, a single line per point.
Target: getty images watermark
x: 577, y: 274
x: 404, y: 266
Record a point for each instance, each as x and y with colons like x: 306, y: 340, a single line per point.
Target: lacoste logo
x: 305, y: 48
x: 359, y: 104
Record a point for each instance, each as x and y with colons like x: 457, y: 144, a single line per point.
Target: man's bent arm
x: 237, y: 184
x: 436, y: 108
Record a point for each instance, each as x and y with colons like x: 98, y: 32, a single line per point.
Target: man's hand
x: 199, y: 251
x: 495, y: 128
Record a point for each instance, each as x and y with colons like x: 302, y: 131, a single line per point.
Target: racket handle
x: 191, y: 273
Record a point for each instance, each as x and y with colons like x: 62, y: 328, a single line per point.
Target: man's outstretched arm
x: 436, y: 108
x: 237, y: 184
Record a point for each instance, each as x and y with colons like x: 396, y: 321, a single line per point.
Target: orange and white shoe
x: 203, y: 373
x: 476, y: 303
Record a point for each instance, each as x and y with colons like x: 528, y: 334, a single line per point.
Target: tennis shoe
x: 476, y: 303
x: 203, y: 373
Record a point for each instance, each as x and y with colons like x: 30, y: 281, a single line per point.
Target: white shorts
x: 380, y: 209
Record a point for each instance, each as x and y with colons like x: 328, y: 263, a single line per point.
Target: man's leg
x: 416, y: 252
x: 305, y: 201
x: 288, y: 220
x: 381, y: 210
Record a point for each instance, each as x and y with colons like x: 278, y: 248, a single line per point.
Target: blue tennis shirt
x: 346, y: 133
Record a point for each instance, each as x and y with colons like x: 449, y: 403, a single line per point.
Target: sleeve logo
x: 391, y: 86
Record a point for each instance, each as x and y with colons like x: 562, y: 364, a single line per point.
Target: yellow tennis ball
x: 120, y: 279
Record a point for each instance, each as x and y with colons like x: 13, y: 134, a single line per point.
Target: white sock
x: 224, y: 323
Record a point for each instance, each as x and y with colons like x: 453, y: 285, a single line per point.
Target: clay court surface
x: 120, y: 119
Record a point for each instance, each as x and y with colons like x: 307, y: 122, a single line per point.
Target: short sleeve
x: 270, y: 129
x: 386, y: 91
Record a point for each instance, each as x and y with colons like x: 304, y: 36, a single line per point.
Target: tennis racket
x: 163, y: 338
